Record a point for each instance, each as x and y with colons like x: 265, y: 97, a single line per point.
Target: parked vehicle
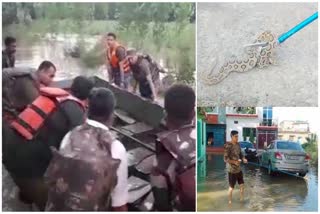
x: 248, y: 150
x: 285, y: 156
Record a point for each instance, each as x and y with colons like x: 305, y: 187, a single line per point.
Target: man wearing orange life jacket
x: 44, y: 123
x: 117, y: 64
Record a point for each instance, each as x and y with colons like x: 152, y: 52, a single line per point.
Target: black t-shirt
x: 7, y: 60
x: 31, y: 158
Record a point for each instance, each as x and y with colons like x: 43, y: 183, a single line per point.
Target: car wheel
x: 302, y: 174
x: 270, y: 171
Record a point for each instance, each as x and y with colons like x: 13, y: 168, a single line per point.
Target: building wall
x: 248, y: 122
x: 293, y: 136
x: 294, y: 126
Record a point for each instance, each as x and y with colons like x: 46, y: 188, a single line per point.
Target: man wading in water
x: 233, y: 158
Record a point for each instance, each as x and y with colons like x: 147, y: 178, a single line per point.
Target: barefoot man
x: 233, y: 158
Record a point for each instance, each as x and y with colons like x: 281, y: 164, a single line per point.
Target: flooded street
x: 262, y: 192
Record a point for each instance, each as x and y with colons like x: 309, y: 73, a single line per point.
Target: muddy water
x: 31, y: 55
x: 67, y: 66
x: 262, y: 192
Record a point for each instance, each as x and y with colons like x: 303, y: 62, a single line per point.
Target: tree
x: 9, y: 13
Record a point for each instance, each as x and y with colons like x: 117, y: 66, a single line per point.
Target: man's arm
x: 135, y: 86
x: 162, y: 177
x: 149, y: 78
x: 146, y: 70
x: 108, y: 67
x: 119, y: 195
x: 121, y: 55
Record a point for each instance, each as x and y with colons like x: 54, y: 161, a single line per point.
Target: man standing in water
x: 233, y: 158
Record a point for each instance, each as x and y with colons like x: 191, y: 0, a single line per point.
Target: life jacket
x: 82, y: 175
x: 32, y: 118
x: 181, y: 144
x: 113, y: 59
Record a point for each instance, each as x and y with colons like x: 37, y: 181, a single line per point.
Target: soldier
x: 145, y: 73
x: 233, y: 158
x: 45, y: 73
x: 90, y: 171
x: 8, y: 54
x: 116, y: 63
x: 173, y: 173
x: 44, y: 123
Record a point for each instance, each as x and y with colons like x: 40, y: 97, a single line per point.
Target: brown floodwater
x: 262, y: 192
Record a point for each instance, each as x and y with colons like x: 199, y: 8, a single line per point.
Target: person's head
x: 179, y: 103
x: 234, y: 136
x: 81, y: 87
x: 111, y: 39
x: 46, y: 72
x: 11, y: 45
x: 132, y: 56
x: 101, y: 105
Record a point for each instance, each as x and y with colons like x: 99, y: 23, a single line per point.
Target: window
x: 236, y: 122
x: 287, y: 145
x: 267, y: 116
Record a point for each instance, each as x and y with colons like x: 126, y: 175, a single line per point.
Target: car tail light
x: 278, y: 155
x: 307, y: 157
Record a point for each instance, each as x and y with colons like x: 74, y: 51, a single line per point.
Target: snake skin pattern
x: 260, y: 57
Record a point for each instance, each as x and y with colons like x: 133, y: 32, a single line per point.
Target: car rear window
x: 289, y: 145
x: 246, y: 145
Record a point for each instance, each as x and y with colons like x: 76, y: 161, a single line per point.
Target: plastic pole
x: 298, y: 27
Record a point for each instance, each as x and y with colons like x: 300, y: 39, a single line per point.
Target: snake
x: 255, y: 57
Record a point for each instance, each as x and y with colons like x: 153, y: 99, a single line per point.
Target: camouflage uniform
x: 173, y: 174
x: 83, y: 175
x: 145, y: 66
x: 233, y: 152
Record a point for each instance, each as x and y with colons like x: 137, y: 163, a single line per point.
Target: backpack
x: 18, y: 89
x: 82, y: 177
x: 184, y: 185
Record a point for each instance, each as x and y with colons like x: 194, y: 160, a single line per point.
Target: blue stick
x: 288, y: 34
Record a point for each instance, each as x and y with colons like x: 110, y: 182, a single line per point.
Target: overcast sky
x: 311, y: 115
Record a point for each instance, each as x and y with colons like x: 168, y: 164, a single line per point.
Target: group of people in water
x: 60, y: 152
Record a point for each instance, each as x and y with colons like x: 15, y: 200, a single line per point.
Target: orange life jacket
x: 33, y: 117
x: 113, y: 59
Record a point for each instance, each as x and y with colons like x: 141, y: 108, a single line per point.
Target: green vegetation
x: 311, y: 147
x: 201, y: 111
x: 164, y: 30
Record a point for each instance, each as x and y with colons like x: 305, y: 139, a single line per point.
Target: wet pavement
x: 262, y: 192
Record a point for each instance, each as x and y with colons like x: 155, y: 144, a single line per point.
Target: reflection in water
x: 262, y: 192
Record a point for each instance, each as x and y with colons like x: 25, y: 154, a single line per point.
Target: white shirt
x: 119, y: 194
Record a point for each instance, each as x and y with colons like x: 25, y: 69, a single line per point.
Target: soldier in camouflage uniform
x: 233, y: 157
x: 90, y: 171
x: 146, y: 73
x: 173, y: 173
